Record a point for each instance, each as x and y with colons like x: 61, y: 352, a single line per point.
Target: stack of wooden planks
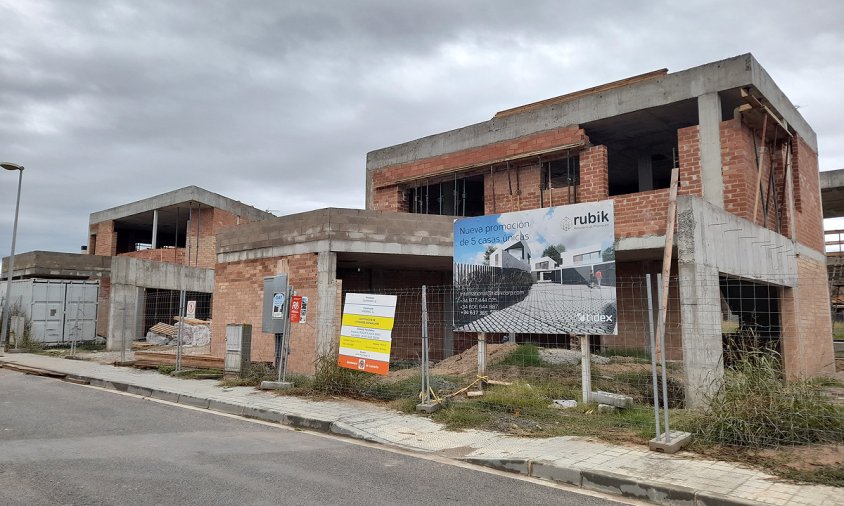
x: 192, y: 321
x: 164, y: 329
x: 152, y: 359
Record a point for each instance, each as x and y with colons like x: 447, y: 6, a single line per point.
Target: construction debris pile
x: 194, y: 332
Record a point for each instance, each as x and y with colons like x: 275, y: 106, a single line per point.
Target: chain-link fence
x: 740, y: 362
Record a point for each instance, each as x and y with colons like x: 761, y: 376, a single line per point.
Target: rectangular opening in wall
x: 562, y: 173
x: 161, y: 306
x: 750, y: 318
x: 450, y: 197
x: 642, y: 145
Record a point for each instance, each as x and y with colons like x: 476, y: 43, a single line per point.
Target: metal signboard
x: 542, y: 271
x: 295, y: 308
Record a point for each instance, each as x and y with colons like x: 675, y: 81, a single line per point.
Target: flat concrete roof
x: 341, y: 231
x: 832, y: 193
x: 657, y: 90
x: 180, y: 198
x: 53, y: 264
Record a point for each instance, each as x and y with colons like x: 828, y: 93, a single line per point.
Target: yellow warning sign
x: 372, y: 322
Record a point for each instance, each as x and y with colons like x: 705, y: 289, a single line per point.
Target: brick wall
x: 106, y: 239
x: 594, y: 165
x: 238, y: 298
x: 169, y: 255
x: 386, y: 196
x: 738, y: 156
x: 807, y: 196
x: 103, y: 305
x: 807, y: 324
x: 645, y: 213
x: 633, y: 332
x: 515, y: 189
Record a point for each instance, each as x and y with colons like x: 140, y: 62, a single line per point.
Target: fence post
x: 182, y: 297
x: 586, y: 368
x: 481, y: 356
x: 662, y: 285
x: 426, y: 386
x: 653, y: 350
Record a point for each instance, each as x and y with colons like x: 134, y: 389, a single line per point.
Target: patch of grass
x: 639, y: 385
x: 199, y: 374
x: 526, y: 355
x: 253, y: 377
x: 756, y: 408
x: 29, y: 345
x: 838, y: 331
x: 825, y: 475
x: 640, y: 354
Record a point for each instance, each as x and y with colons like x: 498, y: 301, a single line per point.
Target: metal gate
x: 64, y: 311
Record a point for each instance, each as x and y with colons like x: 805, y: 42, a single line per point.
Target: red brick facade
x: 238, y: 298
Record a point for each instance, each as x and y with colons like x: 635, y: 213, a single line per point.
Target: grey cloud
x: 276, y: 103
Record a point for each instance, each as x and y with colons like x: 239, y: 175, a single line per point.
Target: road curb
x: 610, y: 483
x: 590, y: 479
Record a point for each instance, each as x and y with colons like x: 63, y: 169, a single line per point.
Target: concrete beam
x: 180, y: 196
x: 161, y: 275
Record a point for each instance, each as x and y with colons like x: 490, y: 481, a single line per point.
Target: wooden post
x: 757, y: 189
x: 666, y: 256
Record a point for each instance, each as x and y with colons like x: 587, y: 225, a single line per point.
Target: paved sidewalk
x: 628, y: 471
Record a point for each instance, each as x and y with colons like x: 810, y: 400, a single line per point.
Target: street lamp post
x: 5, y: 330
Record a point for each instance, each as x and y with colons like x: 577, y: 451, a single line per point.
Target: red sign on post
x: 295, y: 308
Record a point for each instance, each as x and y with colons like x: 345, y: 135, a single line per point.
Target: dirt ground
x: 808, y: 458
x: 460, y: 364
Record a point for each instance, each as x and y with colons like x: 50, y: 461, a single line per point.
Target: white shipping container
x: 59, y: 311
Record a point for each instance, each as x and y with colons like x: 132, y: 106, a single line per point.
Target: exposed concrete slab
x: 181, y: 196
x: 52, y: 264
x: 339, y: 231
x: 832, y: 193
x: 739, y: 71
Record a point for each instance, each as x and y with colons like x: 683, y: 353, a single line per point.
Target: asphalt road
x: 68, y: 444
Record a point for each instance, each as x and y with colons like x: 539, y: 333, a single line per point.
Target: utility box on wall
x: 275, y: 303
x: 238, y: 348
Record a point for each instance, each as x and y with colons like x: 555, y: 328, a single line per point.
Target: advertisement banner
x: 366, y: 332
x: 542, y: 271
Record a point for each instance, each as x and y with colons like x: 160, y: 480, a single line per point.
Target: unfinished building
x: 749, y: 237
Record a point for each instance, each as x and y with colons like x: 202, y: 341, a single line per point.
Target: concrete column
x: 700, y: 304
x: 327, y: 305
x: 700, y: 314
x: 646, y: 173
x: 125, y: 316
x: 709, y: 129
x: 154, y: 228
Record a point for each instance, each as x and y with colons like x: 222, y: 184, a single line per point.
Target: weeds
x: 756, y: 408
x: 526, y: 355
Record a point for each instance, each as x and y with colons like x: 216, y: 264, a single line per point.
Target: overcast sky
x: 276, y: 103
